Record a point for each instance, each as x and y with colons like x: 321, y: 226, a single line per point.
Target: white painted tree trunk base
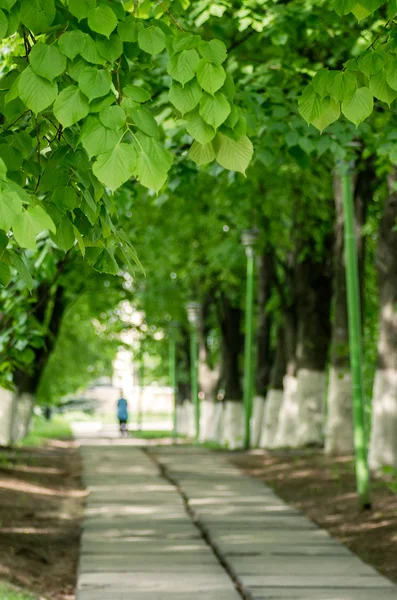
x: 7, y: 410
x: 310, y: 398
x: 271, y: 415
x: 22, y: 416
x: 383, y: 444
x: 288, y: 418
x: 233, y: 425
x: 257, y: 420
x: 180, y: 420
x: 339, y: 428
x: 209, y: 431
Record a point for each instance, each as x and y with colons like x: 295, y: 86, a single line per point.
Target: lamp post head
x: 248, y: 239
x: 193, y: 313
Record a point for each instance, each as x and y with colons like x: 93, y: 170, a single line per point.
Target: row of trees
x: 187, y: 233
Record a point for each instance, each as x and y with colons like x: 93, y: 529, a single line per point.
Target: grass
x: 150, y: 435
x: 7, y: 593
x: 42, y: 431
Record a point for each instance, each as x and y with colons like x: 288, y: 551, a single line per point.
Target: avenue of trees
x: 127, y: 173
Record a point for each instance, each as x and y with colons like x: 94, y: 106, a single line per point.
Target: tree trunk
x: 339, y: 430
x: 314, y: 290
x: 286, y: 427
x: 263, y: 346
x: 383, y: 445
x: 275, y: 394
x: 232, y: 344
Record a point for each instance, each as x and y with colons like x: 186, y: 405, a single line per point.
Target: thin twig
x: 165, y: 9
x: 118, y: 80
x: 38, y: 141
x: 372, y: 45
x: 15, y: 121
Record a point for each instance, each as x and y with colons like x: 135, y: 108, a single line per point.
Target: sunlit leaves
x: 154, y: 162
x: 37, y: 15
x: 214, y: 109
x: 71, y: 43
x: 47, y: 61
x: 102, y: 20
x: 10, y: 207
x: 359, y: 106
x: 112, y: 117
x: 116, y: 166
x: 211, y: 77
x: 145, y: 121
x: 371, y: 63
x: 183, y: 66
x: 136, y: 93
x: 329, y: 112
x: 81, y: 8
x: 213, y: 51
x: 185, y: 98
x: 64, y: 237
x: 98, y: 139
x: 71, y: 106
x: 29, y: 224
x: 95, y: 83
x: 309, y: 104
x: 151, y: 39
x: 35, y: 92
x: 381, y: 90
x: 202, y: 155
x: 231, y: 154
x: 198, y: 128
x: 3, y: 25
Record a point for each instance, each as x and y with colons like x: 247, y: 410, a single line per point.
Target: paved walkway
x: 184, y: 524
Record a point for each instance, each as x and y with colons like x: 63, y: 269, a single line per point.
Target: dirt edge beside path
x: 41, y: 509
x: 324, y: 489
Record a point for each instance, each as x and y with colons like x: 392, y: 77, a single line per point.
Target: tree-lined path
x: 183, y: 523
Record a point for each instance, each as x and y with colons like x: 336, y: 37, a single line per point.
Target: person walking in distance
x: 122, y: 414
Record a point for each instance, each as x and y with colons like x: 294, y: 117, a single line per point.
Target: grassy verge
x: 42, y: 431
x: 7, y: 593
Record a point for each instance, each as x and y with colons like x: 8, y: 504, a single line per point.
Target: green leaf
x: 185, y: 98
x: 7, y: 4
x: 81, y: 8
x: 343, y: 7
x: 29, y: 224
x: 309, y: 104
x: 37, y: 15
x: 111, y: 49
x: 35, y: 92
x: 343, y: 84
x: 380, y: 89
x: 47, y: 61
x: 391, y: 74
x: 153, y: 164
x: 80, y: 240
x: 102, y: 20
x: 136, y: 93
x: 359, y: 106
x: 95, y: 83
x: 184, y: 41
x: 370, y: 63
x: 321, y: 82
x: 98, y: 139
x: 72, y: 43
x: 183, y: 66
x: 329, y: 112
x: 213, y: 51
x: 116, y: 166
x: 198, y: 128
x: 145, y: 121
x: 71, y: 106
x: 129, y: 29
x: 151, y: 40
x: 64, y: 237
x: 210, y: 77
x: 76, y: 67
x: 214, y: 109
x: 202, y: 155
x: 10, y: 208
x: 3, y: 25
x: 113, y: 117
x: 20, y: 265
x: 5, y: 274
x: 90, y: 51
x: 3, y: 171
x: 233, y: 155
x: 106, y: 262
x: 360, y: 12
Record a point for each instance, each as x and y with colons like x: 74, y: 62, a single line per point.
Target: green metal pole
x: 193, y: 379
x: 356, y: 361
x: 248, y: 349
x: 173, y: 381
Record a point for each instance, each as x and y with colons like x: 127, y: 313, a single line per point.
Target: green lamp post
x: 173, y: 375
x: 248, y: 240
x: 193, y: 313
x: 355, y: 337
